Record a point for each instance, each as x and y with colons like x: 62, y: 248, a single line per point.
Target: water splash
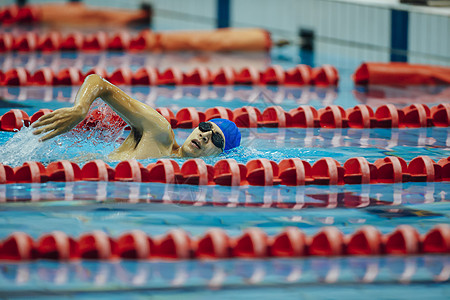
x: 82, y: 144
x: 24, y: 146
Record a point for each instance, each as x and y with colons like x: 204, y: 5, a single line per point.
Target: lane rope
x: 217, y: 244
x: 300, y: 75
x: 304, y: 116
x: 227, y: 172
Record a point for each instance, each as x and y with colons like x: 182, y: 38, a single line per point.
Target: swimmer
x: 151, y: 135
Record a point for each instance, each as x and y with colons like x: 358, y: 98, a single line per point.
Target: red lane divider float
x: 367, y: 240
x: 291, y: 242
x: 215, y: 243
x: 135, y: 245
x: 273, y: 75
x: 14, y: 120
x: 258, y: 172
x: 31, y: 171
x: 229, y: 39
x: 10, y: 14
x: 305, y: 116
x: 56, y: 245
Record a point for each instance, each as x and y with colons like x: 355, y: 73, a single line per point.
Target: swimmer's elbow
x: 94, y: 79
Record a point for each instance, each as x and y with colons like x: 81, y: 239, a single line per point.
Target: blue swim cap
x: 231, y: 132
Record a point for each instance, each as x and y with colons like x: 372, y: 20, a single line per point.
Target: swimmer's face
x: 200, y: 141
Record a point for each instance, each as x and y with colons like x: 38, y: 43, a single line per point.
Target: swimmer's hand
x: 58, y: 122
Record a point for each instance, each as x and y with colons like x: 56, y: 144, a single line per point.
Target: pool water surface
x: 155, y: 208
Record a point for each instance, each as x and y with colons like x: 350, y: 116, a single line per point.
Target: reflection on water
x: 376, y: 95
x: 296, y: 197
x: 84, y: 275
x: 156, y: 208
x: 202, y: 97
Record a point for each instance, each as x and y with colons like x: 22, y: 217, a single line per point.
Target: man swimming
x: 151, y: 135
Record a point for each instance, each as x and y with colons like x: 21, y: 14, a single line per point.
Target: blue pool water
x: 117, y: 207
x: 324, y: 278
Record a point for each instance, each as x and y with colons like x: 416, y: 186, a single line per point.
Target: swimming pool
x: 118, y: 207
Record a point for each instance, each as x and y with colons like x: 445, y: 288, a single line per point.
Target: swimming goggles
x: 216, y: 138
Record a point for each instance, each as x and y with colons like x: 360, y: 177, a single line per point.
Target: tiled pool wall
x: 366, y: 29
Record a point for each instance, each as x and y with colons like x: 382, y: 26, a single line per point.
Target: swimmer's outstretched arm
x: 137, y: 114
